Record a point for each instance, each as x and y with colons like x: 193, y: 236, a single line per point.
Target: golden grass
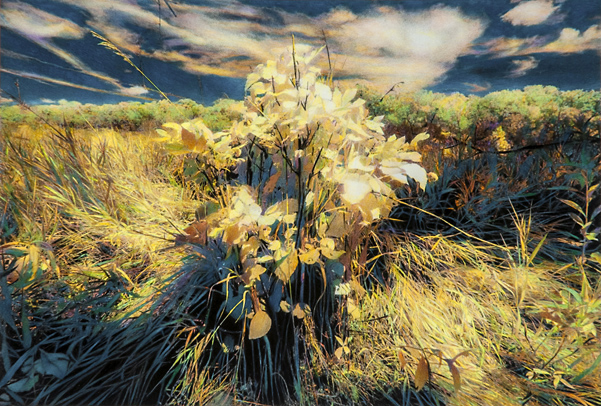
x: 109, y: 203
x: 106, y: 201
x: 472, y: 306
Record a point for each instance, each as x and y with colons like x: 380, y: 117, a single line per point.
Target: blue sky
x: 204, y: 49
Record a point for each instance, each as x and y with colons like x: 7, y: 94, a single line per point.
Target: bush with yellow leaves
x: 314, y: 175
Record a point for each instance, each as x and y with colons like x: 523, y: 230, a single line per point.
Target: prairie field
x: 306, y: 246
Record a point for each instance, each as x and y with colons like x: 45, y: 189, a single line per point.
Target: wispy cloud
x: 477, y: 88
x: 383, y: 46
x: 522, y: 66
x: 530, y: 12
x: 37, y: 24
x: 569, y: 40
x: 42, y: 28
x: 503, y: 46
x: 53, y: 81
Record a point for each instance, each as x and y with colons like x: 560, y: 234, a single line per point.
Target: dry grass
x: 107, y: 203
x: 523, y: 330
x: 485, y: 312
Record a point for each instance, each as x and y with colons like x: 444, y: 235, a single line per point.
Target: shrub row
x: 533, y: 115
x: 126, y: 116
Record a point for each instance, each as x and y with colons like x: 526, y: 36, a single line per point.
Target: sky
x: 203, y: 49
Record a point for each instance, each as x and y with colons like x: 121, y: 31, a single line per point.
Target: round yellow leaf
x: 259, y: 325
x: 310, y: 257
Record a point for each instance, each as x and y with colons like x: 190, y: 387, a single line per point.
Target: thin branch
x: 390, y: 90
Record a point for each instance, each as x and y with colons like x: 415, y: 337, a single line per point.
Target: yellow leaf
x: 164, y: 135
x: 422, y: 374
x: 234, y: 234
x: 375, y: 125
x: 287, y: 106
x: 556, y: 380
x: 173, y: 126
x: 259, y: 325
x: 343, y: 289
x: 338, y: 226
x: 264, y: 258
x: 252, y: 273
x: 373, y: 207
x: 21, y: 264
x: 310, y: 257
x: 269, y: 218
x: 285, y: 306
x: 359, y: 290
x: 354, y: 188
x: 419, y: 137
x: 271, y: 183
x: 276, y: 212
x: 309, y: 198
x: 353, y: 311
x: 299, y: 312
x: 402, y: 359
x: 408, y: 156
x: 328, y: 248
x: 250, y: 247
x: 275, y: 245
x: 400, y: 171
x: 323, y: 91
x: 264, y: 232
x: 360, y: 163
x: 287, y: 266
x: 455, y: 374
x: 238, y: 108
x: 191, y: 142
x: 349, y: 95
x: 357, y: 133
x: 289, y: 219
x: 245, y: 207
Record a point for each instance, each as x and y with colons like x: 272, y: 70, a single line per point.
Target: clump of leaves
x: 314, y: 175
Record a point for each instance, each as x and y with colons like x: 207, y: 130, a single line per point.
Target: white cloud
x: 530, y: 12
x: 35, y: 23
x: 389, y: 45
x: 522, y: 66
x: 571, y: 40
x: 69, y: 103
x: 134, y: 90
